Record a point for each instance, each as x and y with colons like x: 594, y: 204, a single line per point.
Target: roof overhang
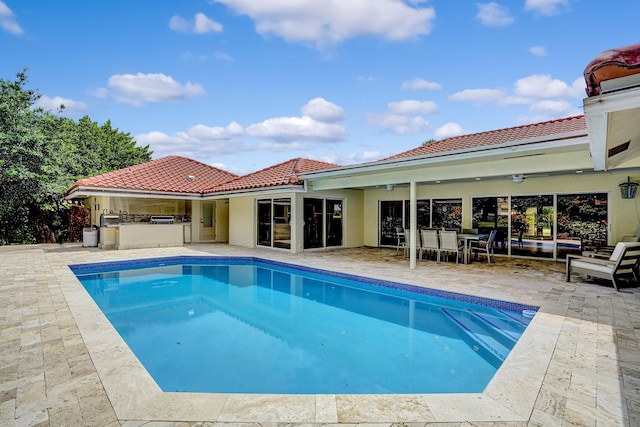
x: 613, y: 124
x: 82, y: 192
x: 563, y: 153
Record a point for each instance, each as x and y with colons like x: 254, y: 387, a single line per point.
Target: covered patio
x: 62, y: 363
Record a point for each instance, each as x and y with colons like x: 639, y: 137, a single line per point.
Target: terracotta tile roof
x: 277, y: 175
x: 169, y: 174
x: 493, y: 137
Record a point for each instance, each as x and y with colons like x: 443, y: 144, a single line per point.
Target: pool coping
x: 134, y: 395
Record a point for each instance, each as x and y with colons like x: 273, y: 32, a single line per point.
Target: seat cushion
x: 586, y: 265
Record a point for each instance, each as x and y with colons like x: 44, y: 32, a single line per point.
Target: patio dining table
x: 467, y: 238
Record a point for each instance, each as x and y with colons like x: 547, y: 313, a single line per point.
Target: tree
x: 429, y: 141
x: 41, y: 155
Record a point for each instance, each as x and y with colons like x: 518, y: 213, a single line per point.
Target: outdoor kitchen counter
x: 136, y: 236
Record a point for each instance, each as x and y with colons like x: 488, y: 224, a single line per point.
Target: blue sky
x: 245, y: 84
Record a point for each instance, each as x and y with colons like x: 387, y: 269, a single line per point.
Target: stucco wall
x: 242, y: 221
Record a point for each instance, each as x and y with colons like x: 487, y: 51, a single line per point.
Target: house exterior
x: 549, y: 188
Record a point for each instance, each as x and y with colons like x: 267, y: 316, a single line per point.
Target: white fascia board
x: 473, y: 154
x: 84, y: 192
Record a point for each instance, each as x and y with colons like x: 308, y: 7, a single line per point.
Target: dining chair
x: 449, y: 244
x: 484, y: 247
x: 401, y: 240
x: 430, y: 243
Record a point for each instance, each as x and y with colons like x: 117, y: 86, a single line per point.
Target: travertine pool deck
x: 61, y: 362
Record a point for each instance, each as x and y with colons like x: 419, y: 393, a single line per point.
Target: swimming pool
x: 247, y: 325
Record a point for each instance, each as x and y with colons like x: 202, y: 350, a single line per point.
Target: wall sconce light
x: 389, y: 187
x: 517, y: 178
x: 628, y: 189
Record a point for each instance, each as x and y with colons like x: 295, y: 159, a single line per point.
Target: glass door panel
x: 447, y: 213
x: 390, y: 218
x: 313, y: 223
x: 334, y: 222
x: 582, y: 222
x: 281, y: 226
x: 532, y: 226
x: 264, y: 223
x: 492, y: 213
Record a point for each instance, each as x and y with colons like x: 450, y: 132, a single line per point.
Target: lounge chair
x: 623, y: 262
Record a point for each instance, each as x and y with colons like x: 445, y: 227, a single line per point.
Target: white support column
x: 413, y: 224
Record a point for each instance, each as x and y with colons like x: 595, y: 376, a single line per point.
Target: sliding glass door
x: 274, y: 217
x: 322, y: 223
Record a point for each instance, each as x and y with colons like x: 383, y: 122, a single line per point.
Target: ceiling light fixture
x: 517, y: 178
x: 389, y: 187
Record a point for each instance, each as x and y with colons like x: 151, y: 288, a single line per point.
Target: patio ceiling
x: 613, y: 124
x: 560, y: 156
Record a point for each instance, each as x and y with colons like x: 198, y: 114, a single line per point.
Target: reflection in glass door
x: 390, y: 217
x: 322, y: 223
x: 582, y: 222
x: 532, y: 226
x: 313, y: 227
x: 264, y: 223
x: 334, y: 222
x: 281, y: 223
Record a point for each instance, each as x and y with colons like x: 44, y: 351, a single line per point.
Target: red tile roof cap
x: 282, y: 174
x: 500, y: 136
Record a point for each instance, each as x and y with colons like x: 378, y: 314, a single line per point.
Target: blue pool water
x: 247, y: 325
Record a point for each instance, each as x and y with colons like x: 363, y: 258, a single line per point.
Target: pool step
x: 503, y: 330
x: 482, y: 335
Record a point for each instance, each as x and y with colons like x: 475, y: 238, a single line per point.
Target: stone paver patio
x: 61, y: 362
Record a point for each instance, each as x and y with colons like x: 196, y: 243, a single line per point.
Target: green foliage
x: 41, y: 155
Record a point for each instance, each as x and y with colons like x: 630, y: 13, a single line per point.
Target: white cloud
x: 404, y: 117
x: 412, y: 107
x: 139, y: 89
x: 351, y: 158
x: 420, y: 84
x: 546, y: 7
x: 323, y: 111
x: 538, y: 50
x: 289, y: 129
x: 330, y: 22
x: 493, y: 15
x: 201, y: 24
x: 8, y: 20
x: 53, y: 104
x: 221, y: 56
x: 543, y: 86
x: 479, y: 96
x: 398, y: 123
x: 448, y: 130
x: 196, y: 142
